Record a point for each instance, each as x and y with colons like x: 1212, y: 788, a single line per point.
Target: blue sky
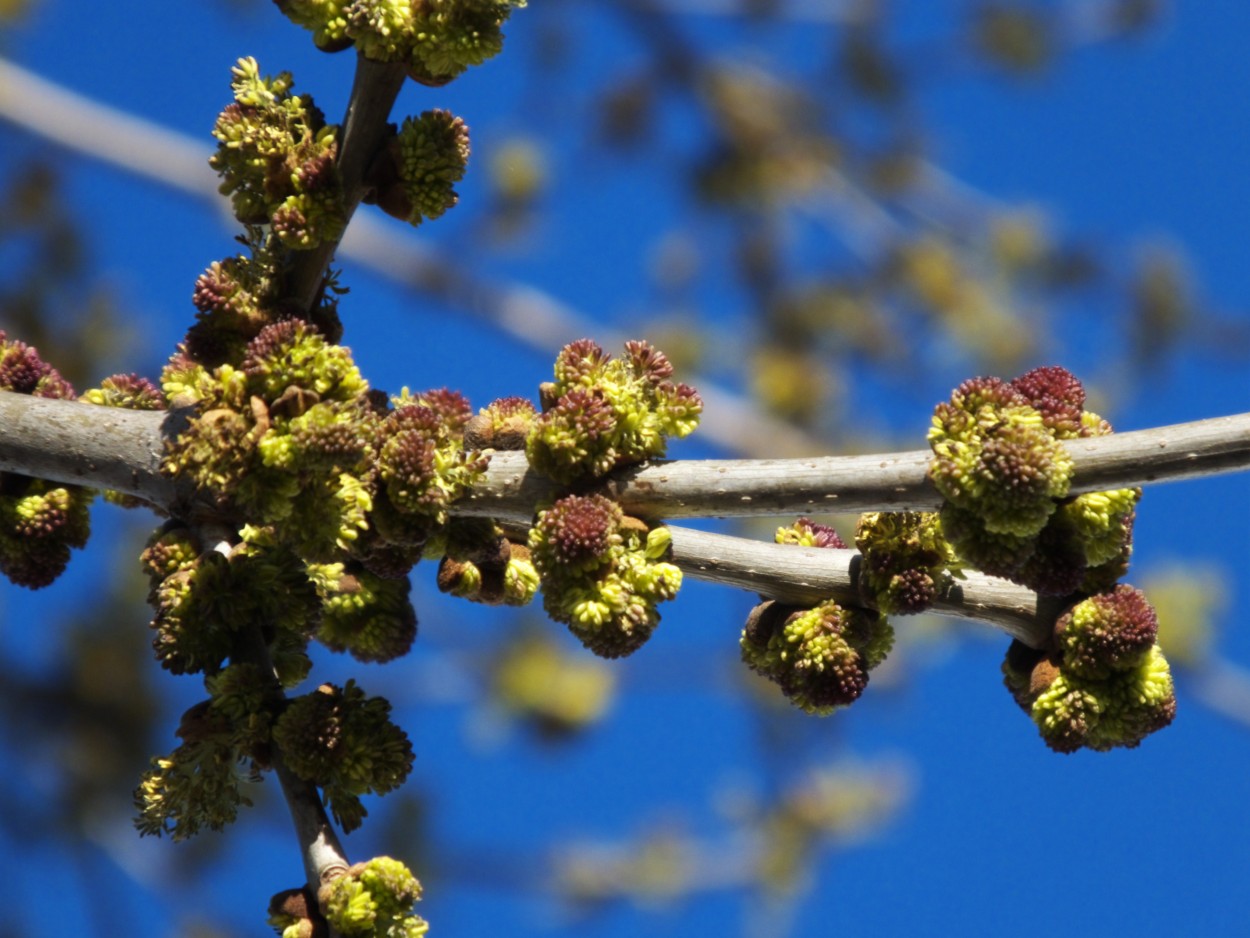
x: 1126, y: 145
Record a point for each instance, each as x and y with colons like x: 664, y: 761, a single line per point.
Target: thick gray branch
x: 107, y: 448
x: 121, y: 450
x: 82, y: 444
x: 883, y: 482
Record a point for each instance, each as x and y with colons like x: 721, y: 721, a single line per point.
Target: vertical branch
x: 320, y: 848
x: 374, y: 90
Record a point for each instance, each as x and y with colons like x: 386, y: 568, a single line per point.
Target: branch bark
x: 374, y: 90
x: 804, y: 576
x: 107, y: 448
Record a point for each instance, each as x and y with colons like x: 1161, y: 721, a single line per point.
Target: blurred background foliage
x: 813, y: 252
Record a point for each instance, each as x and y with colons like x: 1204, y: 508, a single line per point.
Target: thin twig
x: 374, y: 90
x: 807, y: 575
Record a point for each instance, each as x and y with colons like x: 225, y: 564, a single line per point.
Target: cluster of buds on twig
x: 435, y: 40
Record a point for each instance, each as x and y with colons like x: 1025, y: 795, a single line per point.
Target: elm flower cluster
x: 276, y: 156
x: 1104, y: 683
x: 807, y: 533
x: 279, y: 437
x: 435, y: 39
x: 201, y: 598
x: 40, y: 521
x: 481, y: 565
x: 603, y: 574
x: 364, y: 614
x: 1000, y: 463
x: 201, y: 783
x: 420, y: 467
x: 907, y: 562
x: 601, y: 412
x: 345, y: 743
x: 819, y: 657
x: 374, y: 899
x: 414, y: 178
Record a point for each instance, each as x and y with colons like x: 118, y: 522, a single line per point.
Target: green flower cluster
x: 601, y: 412
x: 415, y: 176
x: 907, y: 562
x: 603, y: 573
x: 481, y: 565
x: 276, y: 156
x: 364, y: 614
x: 40, y: 521
x: 202, y: 598
x: 346, y: 744
x: 420, y: 467
x: 225, y: 740
x: 435, y: 39
x: 1104, y: 683
x: 374, y: 900
x: 342, y: 483
x: 819, y: 657
x: 1000, y: 463
x: 276, y: 433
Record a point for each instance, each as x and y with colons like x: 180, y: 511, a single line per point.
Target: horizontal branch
x: 808, y: 575
x: 84, y: 444
x: 102, y: 447
x: 722, y: 488
x: 121, y: 450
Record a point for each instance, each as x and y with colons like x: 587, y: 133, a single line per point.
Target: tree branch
x: 67, y: 441
x: 882, y: 482
x: 121, y: 450
x: 804, y: 576
x: 374, y: 90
